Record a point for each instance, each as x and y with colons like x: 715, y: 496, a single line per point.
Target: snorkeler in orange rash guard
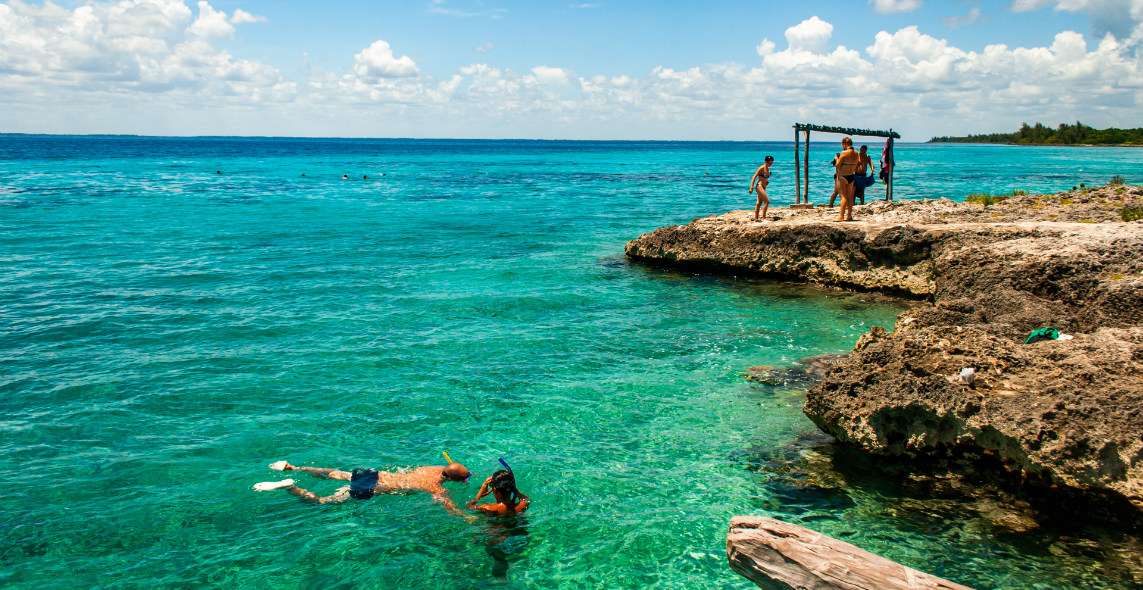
x: 502, y: 485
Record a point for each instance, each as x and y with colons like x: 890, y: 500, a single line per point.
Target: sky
x: 585, y: 69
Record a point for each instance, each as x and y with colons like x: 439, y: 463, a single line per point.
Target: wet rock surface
x: 1064, y: 415
x: 852, y: 495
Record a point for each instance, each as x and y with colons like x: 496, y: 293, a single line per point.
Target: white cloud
x: 242, y: 17
x: 1124, y: 18
x: 127, y: 46
x: 955, y: 22
x: 484, y: 47
x: 211, y: 22
x: 890, y: 6
x: 377, y: 61
x: 811, y: 35
x: 442, y: 7
x: 98, y: 67
x: 765, y: 47
x: 550, y: 75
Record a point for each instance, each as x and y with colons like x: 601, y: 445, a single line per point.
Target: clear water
x: 165, y: 332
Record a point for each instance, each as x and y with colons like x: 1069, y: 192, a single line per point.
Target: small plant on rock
x: 1131, y: 213
x: 1117, y: 180
x: 984, y: 199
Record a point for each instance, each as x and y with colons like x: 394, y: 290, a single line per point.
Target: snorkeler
x: 364, y: 483
x: 345, y: 177
x: 502, y: 485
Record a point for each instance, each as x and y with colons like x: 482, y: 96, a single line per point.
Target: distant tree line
x: 1065, y: 134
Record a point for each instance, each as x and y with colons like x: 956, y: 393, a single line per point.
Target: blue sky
x: 631, y: 70
x: 608, y: 38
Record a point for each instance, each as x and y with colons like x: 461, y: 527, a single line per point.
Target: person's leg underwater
x: 322, y: 472
x: 288, y: 484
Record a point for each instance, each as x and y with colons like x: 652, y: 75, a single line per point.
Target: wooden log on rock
x: 780, y: 556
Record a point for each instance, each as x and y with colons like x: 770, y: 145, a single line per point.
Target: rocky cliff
x: 1058, y: 413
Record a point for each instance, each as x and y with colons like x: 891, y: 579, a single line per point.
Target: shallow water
x: 167, y: 331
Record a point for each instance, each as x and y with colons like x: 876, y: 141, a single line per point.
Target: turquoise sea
x: 166, y: 331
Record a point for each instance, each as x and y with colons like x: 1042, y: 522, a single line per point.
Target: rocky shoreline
x: 1058, y: 415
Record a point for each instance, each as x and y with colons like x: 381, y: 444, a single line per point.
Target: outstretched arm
x: 443, y: 498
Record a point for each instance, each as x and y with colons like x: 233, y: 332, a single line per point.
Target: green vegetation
x: 985, y: 199
x: 1131, y: 213
x: 1065, y: 134
x: 1117, y: 180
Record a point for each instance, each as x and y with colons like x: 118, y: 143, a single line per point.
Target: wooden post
x: 797, y: 170
x: 807, y: 173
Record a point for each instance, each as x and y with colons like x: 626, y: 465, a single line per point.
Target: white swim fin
x: 265, y: 486
x: 278, y: 465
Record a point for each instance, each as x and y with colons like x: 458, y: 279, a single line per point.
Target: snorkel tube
x: 506, y: 465
x: 447, y: 458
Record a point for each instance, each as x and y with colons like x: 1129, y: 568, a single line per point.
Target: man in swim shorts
x: 364, y: 483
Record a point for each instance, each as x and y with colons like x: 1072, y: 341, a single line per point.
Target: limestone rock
x: 1059, y: 413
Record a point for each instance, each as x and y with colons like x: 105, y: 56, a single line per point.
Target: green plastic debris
x: 1039, y: 334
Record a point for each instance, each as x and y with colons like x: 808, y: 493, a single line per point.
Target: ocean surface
x: 177, y: 313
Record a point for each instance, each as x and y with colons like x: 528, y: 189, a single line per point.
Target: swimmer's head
x: 503, y: 484
x: 456, y: 472
x: 769, y: 159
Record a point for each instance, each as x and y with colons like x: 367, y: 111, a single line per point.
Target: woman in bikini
x: 848, y: 164
x: 758, y: 184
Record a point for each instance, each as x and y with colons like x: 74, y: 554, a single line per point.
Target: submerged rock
x: 1059, y: 414
x: 779, y: 555
x: 801, y: 373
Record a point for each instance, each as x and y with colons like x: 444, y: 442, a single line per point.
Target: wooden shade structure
x: 801, y: 192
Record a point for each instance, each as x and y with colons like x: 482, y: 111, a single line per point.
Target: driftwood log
x: 782, y: 556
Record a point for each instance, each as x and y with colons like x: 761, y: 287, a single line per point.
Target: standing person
x: 862, y: 180
x: 836, y: 188
x: 886, y: 173
x: 758, y: 184
x: 847, y: 165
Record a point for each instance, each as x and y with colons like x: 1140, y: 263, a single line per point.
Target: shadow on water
x: 893, y: 508
x: 504, y: 540
x: 773, y: 287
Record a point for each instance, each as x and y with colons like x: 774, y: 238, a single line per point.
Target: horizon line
x: 426, y: 138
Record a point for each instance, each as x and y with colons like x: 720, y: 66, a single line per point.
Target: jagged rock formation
x: 1059, y: 413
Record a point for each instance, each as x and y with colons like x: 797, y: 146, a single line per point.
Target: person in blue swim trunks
x: 365, y: 483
